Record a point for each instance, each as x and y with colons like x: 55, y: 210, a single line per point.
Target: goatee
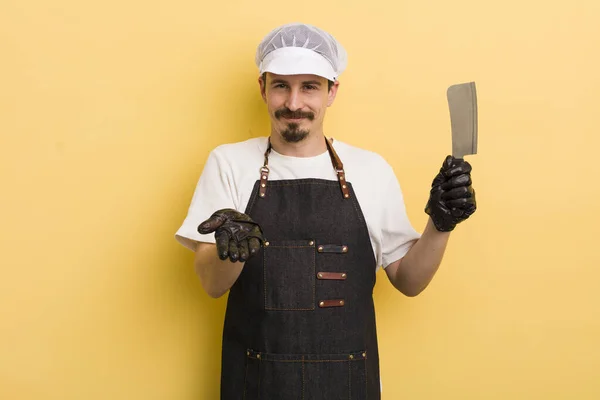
x: 294, y: 135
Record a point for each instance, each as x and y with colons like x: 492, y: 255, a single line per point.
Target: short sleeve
x: 397, y: 233
x: 213, y: 192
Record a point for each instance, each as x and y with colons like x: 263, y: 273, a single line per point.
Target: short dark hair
x: 329, y: 83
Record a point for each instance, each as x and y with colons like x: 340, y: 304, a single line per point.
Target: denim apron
x: 300, y: 319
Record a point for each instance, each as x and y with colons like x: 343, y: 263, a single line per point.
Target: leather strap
x: 337, y: 276
x: 331, y: 303
x: 335, y: 161
x: 264, y: 177
x: 339, y: 169
x: 332, y: 248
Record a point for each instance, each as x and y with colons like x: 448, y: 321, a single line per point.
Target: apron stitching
x: 265, y: 277
x: 252, y: 201
x: 358, y: 213
x: 366, y: 381
x: 360, y: 217
x: 245, y: 379
x: 290, y: 247
x: 258, y: 386
x: 302, y: 360
x: 302, y: 377
x: 314, y: 279
x: 275, y: 183
x: 349, y: 381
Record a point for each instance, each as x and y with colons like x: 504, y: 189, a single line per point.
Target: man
x: 295, y: 225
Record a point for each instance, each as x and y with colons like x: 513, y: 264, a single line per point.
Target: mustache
x: 287, y: 113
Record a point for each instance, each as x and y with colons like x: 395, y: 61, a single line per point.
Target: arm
x: 451, y: 201
x: 231, y: 232
x: 412, y: 273
x: 216, y: 275
x: 237, y: 238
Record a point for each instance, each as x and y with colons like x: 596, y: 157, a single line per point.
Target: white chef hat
x: 297, y: 48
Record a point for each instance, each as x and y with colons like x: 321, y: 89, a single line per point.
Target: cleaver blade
x: 462, y: 101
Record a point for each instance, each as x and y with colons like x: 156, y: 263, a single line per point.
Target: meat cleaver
x: 462, y: 101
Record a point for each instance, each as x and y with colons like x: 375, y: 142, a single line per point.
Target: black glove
x: 452, y: 198
x: 237, y: 236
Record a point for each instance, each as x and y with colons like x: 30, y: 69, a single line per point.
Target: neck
x: 312, y: 145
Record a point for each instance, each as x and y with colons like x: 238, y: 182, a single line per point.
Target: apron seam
x: 349, y: 380
x: 302, y: 377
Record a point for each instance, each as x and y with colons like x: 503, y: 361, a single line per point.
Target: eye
x: 280, y: 86
x: 310, y: 87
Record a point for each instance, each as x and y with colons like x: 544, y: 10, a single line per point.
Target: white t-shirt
x: 231, y: 171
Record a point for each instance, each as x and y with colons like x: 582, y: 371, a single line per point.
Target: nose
x: 294, y: 100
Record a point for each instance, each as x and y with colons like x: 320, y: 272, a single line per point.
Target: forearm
x: 216, y: 276
x: 414, y: 272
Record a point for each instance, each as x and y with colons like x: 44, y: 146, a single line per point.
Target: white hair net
x: 301, y: 49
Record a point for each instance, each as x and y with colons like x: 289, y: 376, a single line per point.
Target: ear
x: 332, y: 93
x: 263, y: 88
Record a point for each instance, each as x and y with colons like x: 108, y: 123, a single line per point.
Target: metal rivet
x: 262, y: 195
x: 341, y: 178
x: 346, y: 195
x: 311, y: 243
x: 247, y: 353
x: 364, y: 354
x: 341, y: 302
x: 345, y: 249
x: 266, y: 243
x: 344, y: 186
x: 351, y: 357
x: 264, y: 177
x: 322, y: 303
x: 320, y: 248
x: 320, y: 275
x: 343, y: 275
x: 258, y: 356
x: 263, y: 185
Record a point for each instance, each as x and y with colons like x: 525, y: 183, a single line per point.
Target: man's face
x: 296, y: 103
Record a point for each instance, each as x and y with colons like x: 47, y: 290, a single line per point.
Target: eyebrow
x: 275, y: 81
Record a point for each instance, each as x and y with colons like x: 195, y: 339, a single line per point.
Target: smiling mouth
x: 294, y: 119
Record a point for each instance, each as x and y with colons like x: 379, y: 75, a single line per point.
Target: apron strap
x: 339, y: 169
x: 335, y: 160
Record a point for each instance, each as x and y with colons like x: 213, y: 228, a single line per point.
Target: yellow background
x: 108, y: 111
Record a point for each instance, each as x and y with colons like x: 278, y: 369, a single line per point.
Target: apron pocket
x: 289, y: 275
x: 309, y: 376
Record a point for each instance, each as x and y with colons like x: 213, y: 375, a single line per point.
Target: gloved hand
x: 237, y: 236
x: 452, y: 198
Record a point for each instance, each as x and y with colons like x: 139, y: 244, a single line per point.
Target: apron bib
x: 300, y: 319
